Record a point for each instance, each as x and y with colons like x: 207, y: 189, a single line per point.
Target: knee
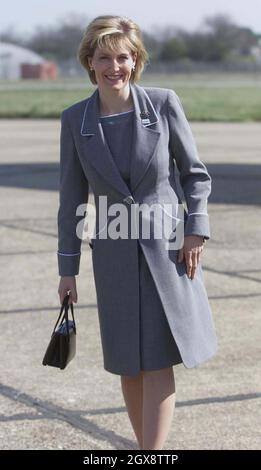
x: 157, y: 372
x: 132, y: 377
x: 159, y: 376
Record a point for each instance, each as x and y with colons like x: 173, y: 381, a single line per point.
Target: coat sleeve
x: 73, y: 190
x: 194, y: 177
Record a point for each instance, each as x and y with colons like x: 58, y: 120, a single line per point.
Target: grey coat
x: 162, y: 141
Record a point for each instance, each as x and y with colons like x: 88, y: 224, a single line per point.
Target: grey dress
x: 158, y: 348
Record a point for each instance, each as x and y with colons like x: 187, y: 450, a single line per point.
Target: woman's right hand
x: 67, y: 283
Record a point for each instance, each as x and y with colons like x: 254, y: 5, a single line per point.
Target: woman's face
x: 112, y: 69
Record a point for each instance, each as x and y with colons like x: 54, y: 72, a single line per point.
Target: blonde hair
x: 110, y: 32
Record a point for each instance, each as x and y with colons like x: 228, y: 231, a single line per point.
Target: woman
x: 126, y: 141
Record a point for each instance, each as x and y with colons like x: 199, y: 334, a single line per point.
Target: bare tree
x: 59, y: 42
x: 9, y: 35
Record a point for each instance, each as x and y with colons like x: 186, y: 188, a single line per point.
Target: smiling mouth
x: 114, y: 79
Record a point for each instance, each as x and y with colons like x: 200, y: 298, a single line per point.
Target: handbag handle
x: 65, y: 307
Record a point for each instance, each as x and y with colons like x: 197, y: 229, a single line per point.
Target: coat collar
x: 144, y: 140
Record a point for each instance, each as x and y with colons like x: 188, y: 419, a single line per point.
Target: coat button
x: 128, y: 199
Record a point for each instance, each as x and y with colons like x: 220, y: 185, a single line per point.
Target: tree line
x: 217, y: 39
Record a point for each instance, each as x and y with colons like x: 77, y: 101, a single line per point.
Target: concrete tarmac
x: 218, y: 403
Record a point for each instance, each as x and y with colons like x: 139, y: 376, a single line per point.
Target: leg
x: 132, y: 393
x: 158, y: 406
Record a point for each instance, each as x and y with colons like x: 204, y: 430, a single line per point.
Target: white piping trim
x: 170, y: 215
x: 198, y: 213
x: 145, y: 125
x: 83, y: 120
x: 68, y: 254
x: 150, y: 124
x: 117, y: 114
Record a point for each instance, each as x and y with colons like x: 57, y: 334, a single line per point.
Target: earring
x: 133, y: 67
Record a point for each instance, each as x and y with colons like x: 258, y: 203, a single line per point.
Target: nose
x: 114, y: 64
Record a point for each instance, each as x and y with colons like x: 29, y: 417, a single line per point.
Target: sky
x: 24, y: 15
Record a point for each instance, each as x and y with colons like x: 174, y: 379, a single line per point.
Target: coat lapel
x: 144, y: 139
x: 143, y: 146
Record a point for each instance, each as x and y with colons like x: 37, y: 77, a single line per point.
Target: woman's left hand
x: 191, y: 250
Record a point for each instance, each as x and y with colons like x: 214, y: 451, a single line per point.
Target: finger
x: 62, y: 295
x: 193, y: 270
x: 70, y: 300
x: 73, y: 296
x: 194, y: 265
x: 188, y: 257
x: 198, y: 256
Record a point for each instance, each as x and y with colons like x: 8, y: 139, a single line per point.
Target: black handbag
x: 62, y: 346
